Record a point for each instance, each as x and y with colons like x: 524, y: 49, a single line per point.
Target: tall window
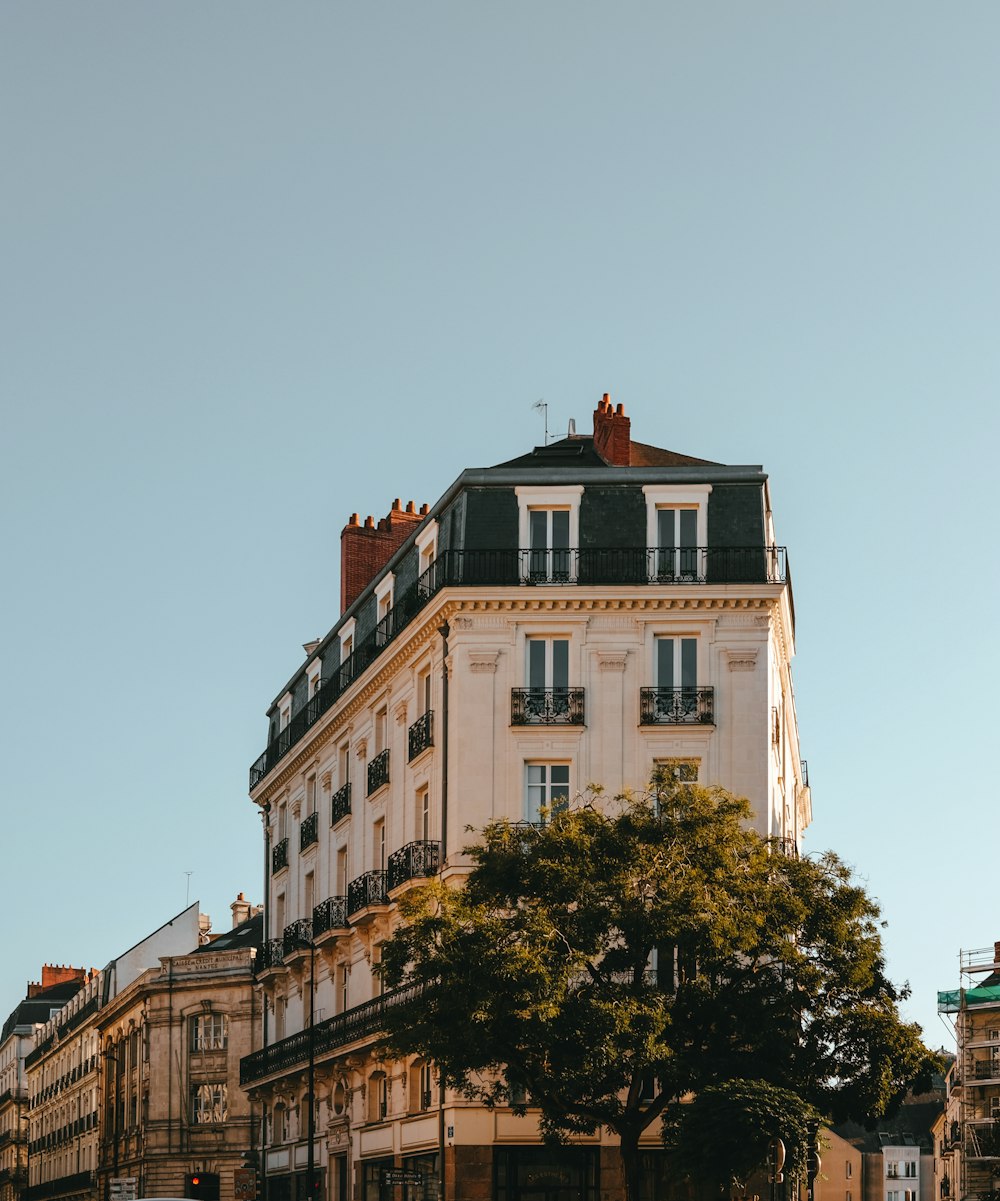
x: 424, y: 692
x: 546, y: 790
x: 677, y: 663
x: 548, y: 663
x: 343, y: 764
x: 209, y: 1032
x: 342, y: 879
x: 549, y: 548
x: 309, y: 893
x: 381, y: 724
x: 343, y: 976
x: 424, y: 813
x: 378, y: 844
x: 209, y: 1104
x: 310, y: 805
x: 677, y: 544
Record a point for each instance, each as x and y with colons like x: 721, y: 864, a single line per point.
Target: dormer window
x: 677, y: 533
x: 549, y: 533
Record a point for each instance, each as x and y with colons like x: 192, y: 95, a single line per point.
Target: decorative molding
x: 483, y: 662
x: 399, y: 713
x: 462, y: 623
x: 612, y: 660
x: 361, y: 748
x: 326, y: 780
x: 741, y: 658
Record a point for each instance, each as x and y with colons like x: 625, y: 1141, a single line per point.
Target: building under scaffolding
x: 970, y: 1142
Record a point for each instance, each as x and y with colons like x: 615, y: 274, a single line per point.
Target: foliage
x: 634, y: 951
x: 721, y: 1137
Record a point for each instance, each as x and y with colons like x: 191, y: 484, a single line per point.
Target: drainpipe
x: 262, y: 1167
x: 444, y: 631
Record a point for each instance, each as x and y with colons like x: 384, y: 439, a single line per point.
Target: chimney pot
x: 397, y: 503
x: 369, y: 523
x: 425, y: 509
x: 410, y: 507
x: 353, y: 520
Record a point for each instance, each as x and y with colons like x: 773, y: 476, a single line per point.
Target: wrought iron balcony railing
x: 415, y: 860
x: 986, y: 1069
x: 546, y: 707
x: 309, y: 831
x: 296, y: 936
x: 676, y: 706
x: 279, y: 855
x: 330, y: 914
x: 378, y: 771
x: 805, y: 772
x: 340, y: 804
x: 365, y: 891
x: 272, y: 954
x: 421, y: 734
x: 515, y: 567
x: 786, y: 846
x: 363, y: 1021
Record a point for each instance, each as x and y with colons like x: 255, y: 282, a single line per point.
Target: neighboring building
x: 63, y: 1071
x: 898, y: 1160
x: 969, y: 1143
x: 841, y: 1177
x: 171, y: 1043
x: 17, y: 1041
x: 581, y: 613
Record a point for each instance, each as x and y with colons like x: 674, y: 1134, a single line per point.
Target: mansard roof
x: 578, y: 450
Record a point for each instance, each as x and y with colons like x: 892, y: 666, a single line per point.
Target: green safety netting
x: 951, y: 1001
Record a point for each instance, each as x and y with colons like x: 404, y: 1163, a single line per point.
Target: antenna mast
x: 540, y: 404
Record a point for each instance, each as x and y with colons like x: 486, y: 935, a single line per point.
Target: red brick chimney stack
x: 612, y: 433
x: 365, y: 549
x: 53, y: 974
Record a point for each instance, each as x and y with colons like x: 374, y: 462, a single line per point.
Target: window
x: 209, y: 1032
x: 209, y: 1104
x: 677, y: 532
x: 381, y: 725
x: 423, y: 806
x: 424, y: 692
x: 342, y: 877
x: 279, y: 915
x: 378, y: 844
x: 676, y: 664
x: 421, y: 1085
x: 279, y: 1017
x: 549, y: 533
x: 849, y: 1169
x: 310, y: 802
x: 378, y: 1097
x: 309, y: 893
x: 343, y: 764
x: 343, y: 977
x: 546, y: 790
x: 548, y: 663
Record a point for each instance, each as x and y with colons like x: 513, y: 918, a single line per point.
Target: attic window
x: 559, y: 449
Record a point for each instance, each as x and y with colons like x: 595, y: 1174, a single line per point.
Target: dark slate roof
x: 36, y: 1009
x: 910, y: 1126
x: 247, y: 934
x: 578, y: 451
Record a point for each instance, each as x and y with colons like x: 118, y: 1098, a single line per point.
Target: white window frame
x: 384, y: 596
x: 530, y: 813
x: 426, y: 542
x: 566, y: 498
x: 313, y: 671
x: 209, y: 1032
x: 691, y: 496
x: 210, y: 1103
x: 346, y: 636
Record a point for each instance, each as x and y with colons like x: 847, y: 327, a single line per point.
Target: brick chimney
x: 365, y: 549
x: 612, y: 433
x: 53, y: 974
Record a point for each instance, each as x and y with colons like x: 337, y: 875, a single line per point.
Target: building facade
x: 17, y: 1040
x: 580, y: 614
x: 171, y: 1042
x: 969, y: 1137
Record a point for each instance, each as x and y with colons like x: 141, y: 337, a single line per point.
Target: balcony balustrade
x: 340, y: 804
x: 361, y: 1022
x: 414, y: 861
x: 296, y: 936
x: 272, y: 954
x: 986, y: 1069
x: 676, y: 706
x: 365, y: 891
x: 546, y: 707
x: 279, y: 855
x: 330, y: 914
x: 421, y: 734
x: 378, y: 771
x: 309, y: 831
x: 527, y: 567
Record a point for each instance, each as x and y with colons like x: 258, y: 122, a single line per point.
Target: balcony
x: 518, y: 567
x: 676, y: 706
x: 328, y: 915
x: 363, y: 1021
x: 420, y: 735
x: 309, y: 831
x: 986, y: 1069
x: 296, y: 936
x: 417, y: 860
x: 279, y: 855
x: 546, y: 707
x: 340, y: 804
x: 365, y: 892
x: 378, y: 771
x: 270, y: 956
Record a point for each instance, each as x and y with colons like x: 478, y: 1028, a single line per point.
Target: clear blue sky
x: 264, y: 265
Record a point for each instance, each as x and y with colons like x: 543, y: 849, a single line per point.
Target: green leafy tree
x: 635, y: 952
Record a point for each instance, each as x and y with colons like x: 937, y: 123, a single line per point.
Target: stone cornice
x: 759, y: 598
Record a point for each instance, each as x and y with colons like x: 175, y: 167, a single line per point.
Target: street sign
x: 244, y: 1184
x: 401, y: 1176
x: 124, y: 1188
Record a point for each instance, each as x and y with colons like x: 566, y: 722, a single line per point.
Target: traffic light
x: 202, y: 1186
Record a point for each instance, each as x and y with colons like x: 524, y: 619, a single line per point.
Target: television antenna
x: 540, y: 404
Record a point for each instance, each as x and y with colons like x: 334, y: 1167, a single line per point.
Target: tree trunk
x: 631, y: 1173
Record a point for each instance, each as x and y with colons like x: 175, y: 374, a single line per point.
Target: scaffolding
x: 971, y: 1136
